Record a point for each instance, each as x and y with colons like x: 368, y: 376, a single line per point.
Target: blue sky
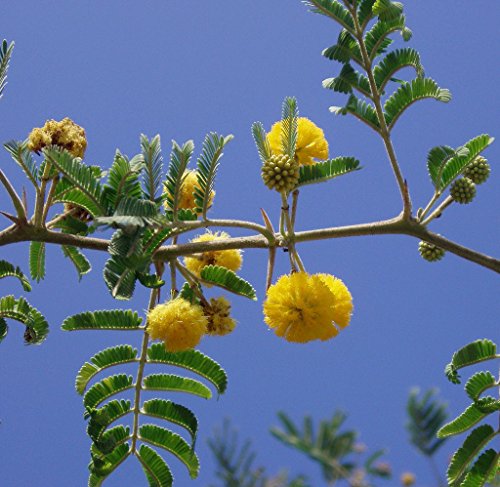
x: 182, y: 69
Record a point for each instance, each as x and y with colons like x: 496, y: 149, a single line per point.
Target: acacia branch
x: 394, y: 226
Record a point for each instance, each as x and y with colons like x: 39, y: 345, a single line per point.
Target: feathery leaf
x: 377, y: 38
x: 345, y: 50
x: 361, y: 110
x: 116, y: 319
x: 289, y: 126
x: 176, y: 383
x: 82, y: 265
x: 227, y: 279
x: 8, y: 270
x: 260, y: 138
x: 24, y: 158
x: 478, y: 383
x: 5, y: 55
x: 332, y: 9
x: 106, y: 388
x: 153, y: 163
x: 347, y: 80
x: 486, y: 466
x: 471, y: 416
x: 155, y: 468
x: 101, y: 467
x: 323, y: 171
x: 393, y: 62
x: 37, y: 260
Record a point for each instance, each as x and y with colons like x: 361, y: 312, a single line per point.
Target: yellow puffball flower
x: 302, y: 307
x: 186, y: 196
x: 343, y: 299
x: 178, y: 323
x: 219, y: 320
x: 311, y: 142
x: 230, y: 259
x: 407, y: 479
x: 66, y: 134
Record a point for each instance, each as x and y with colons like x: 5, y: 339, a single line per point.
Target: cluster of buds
x: 281, y: 173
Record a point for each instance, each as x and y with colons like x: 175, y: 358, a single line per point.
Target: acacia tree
x: 150, y: 211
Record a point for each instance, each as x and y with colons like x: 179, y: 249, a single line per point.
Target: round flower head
x: 311, y: 142
x: 219, y: 319
x: 301, y: 307
x: 186, y: 196
x: 178, y: 323
x: 230, y: 259
x: 66, y: 134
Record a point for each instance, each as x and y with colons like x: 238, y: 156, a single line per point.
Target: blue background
x: 182, y: 69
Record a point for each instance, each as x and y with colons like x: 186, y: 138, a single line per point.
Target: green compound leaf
x: 155, y: 468
x: 361, y: 110
x: 323, y: 171
x: 192, y: 360
x: 110, y: 440
x: 208, y: 164
x: 179, y: 160
x: 172, y: 442
x: 24, y: 158
x: 465, y: 155
x: 153, y: 164
x: 345, y: 50
x: 101, y: 418
x: 116, y: 319
x: 395, y: 61
x: 484, y: 468
x: 37, y: 260
x: 20, y: 310
x: 120, y: 277
x: 176, y: 383
x: 472, y: 446
x: 131, y: 214
x: 436, y: 159
x: 365, y: 12
x: 471, y: 416
x: 347, y: 80
x: 72, y: 225
x: 5, y: 55
x: 473, y: 353
x: 154, y: 238
x: 332, y: 9
x: 83, y: 177
x: 151, y: 281
x: 387, y: 10
x: 120, y: 354
x: 102, y: 467
x: 175, y: 413
x: 478, y: 383
x: 289, y: 126
x: 123, y: 179
x: 260, y: 138
x: 8, y: 270
x: 106, y: 388
x: 377, y: 38
x: 82, y: 265
x: 227, y: 279
x: 426, y: 416
x: 409, y: 93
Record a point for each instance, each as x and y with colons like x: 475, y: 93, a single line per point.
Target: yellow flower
x: 230, y: 259
x: 408, y: 478
x: 186, y: 197
x: 302, y: 307
x: 66, y: 134
x: 219, y: 319
x: 178, y: 323
x: 311, y: 142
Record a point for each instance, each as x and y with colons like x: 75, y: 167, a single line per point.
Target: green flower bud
x: 463, y: 191
x: 478, y: 170
x: 430, y: 252
x: 281, y: 173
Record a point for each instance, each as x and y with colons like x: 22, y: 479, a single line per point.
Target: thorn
x: 12, y: 218
x: 267, y: 220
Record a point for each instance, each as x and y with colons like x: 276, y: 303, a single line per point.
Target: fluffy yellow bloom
x: 178, y: 323
x: 219, y: 319
x: 230, y: 259
x: 407, y: 479
x: 186, y: 197
x: 66, y: 134
x: 311, y: 142
x: 302, y: 307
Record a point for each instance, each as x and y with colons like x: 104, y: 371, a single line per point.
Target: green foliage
x: 377, y: 38
x: 37, y: 260
x: 82, y: 177
x: 395, y: 61
x: 116, y: 319
x: 82, y: 265
x: 345, y: 50
x: 5, y: 55
x: 106, y: 388
x: 235, y: 463
x: 123, y: 179
x: 347, y: 80
x: 408, y: 93
x: 471, y: 465
x: 155, y: 468
x: 334, y: 10
x: 179, y: 160
x: 208, y: 164
x: 323, y: 171
x: 426, y: 415
x: 153, y: 163
x: 227, y: 279
x: 24, y: 158
x: 8, y: 270
x: 192, y: 360
x: 330, y: 447
x: 20, y: 310
x: 289, y: 126
x: 361, y: 109
x: 260, y: 138
x: 176, y: 383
